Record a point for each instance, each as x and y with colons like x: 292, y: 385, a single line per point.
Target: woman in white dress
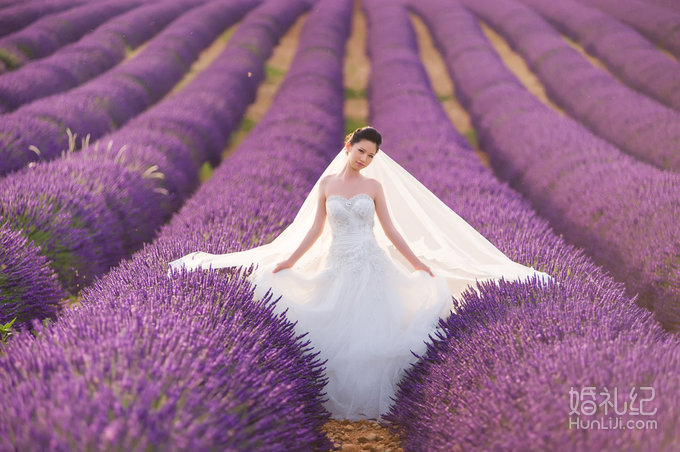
x: 367, y: 299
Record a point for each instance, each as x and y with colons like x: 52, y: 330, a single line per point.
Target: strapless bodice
x: 351, y: 221
x: 350, y: 215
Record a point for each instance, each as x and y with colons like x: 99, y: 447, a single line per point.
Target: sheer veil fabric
x: 444, y: 241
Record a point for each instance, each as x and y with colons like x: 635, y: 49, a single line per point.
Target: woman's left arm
x: 392, y: 233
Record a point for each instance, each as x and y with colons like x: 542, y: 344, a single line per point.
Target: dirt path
x: 276, y: 68
x: 443, y: 86
x: 357, y: 69
x: 518, y: 66
x: 361, y: 436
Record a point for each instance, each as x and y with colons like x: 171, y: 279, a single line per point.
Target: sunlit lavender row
x: 46, y: 35
x: 658, y: 24
x: 627, y: 54
x: 110, y: 100
x: 621, y: 211
x: 19, y: 14
x: 91, y: 208
x: 468, y: 391
x: 95, y: 53
x: 630, y: 120
x: 191, y: 361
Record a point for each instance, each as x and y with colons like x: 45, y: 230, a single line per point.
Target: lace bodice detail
x: 350, y: 216
x: 353, y: 242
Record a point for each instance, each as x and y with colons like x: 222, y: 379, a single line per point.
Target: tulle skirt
x: 365, y: 321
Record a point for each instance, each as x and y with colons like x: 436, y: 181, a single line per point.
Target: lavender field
x: 134, y: 132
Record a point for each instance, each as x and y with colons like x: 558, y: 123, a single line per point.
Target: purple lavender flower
x: 28, y: 286
x: 49, y: 33
x: 95, y: 53
x: 193, y: 363
x: 70, y: 222
x: 627, y: 54
x: 659, y: 25
x: 107, y: 102
x: 633, y: 122
x: 19, y: 14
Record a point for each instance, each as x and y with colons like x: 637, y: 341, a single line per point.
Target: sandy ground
x: 356, y: 71
x: 518, y: 66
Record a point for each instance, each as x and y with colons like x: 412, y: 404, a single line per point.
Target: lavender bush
x: 192, y: 361
x: 20, y: 14
x: 501, y: 376
x: 631, y: 121
x: 659, y: 25
x: 468, y: 391
x: 95, y: 53
x: 621, y: 211
x: 190, y: 364
x: 28, y: 286
x: 110, y: 100
x: 627, y: 54
x: 72, y: 225
x: 46, y: 35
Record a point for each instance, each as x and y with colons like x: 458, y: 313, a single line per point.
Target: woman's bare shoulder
x: 323, y: 184
x: 374, y: 183
x: 326, y: 179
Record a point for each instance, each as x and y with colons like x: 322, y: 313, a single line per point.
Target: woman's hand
x: 283, y: 264
x: 421, y: 266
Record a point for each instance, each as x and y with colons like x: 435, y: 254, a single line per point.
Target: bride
x: 368, y: 296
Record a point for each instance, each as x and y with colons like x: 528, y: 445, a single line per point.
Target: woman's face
x: 361, y: 153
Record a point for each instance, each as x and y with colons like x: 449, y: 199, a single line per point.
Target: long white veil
x: 437, y: 235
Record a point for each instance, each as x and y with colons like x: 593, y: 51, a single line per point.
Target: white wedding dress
x: 358, y: 299
x: 363, y: 313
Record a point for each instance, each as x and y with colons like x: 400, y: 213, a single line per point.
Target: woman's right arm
x: 314, y: 232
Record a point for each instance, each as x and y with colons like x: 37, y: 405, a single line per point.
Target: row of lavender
x: 628, y: 119
x: 498, y: 376
x: 620, y: 210
x: 95, y: 53
x: 192, y: 361
x: 6, y: 3
x: 18, y: 15
x: 110, y: 100
x: 668, y: 4
x: 627, y: 54
x: 88, y: 210
x: 49, y: 33
x: 658, y: 24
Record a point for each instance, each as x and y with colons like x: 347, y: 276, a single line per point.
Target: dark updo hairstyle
x: 364, y: 133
